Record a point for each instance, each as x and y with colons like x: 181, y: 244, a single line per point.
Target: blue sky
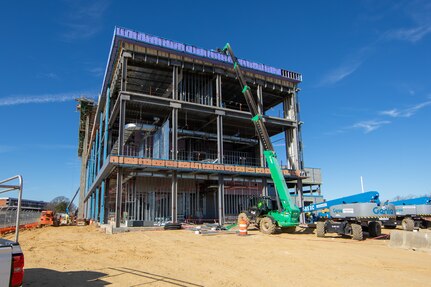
x: 365, y: 98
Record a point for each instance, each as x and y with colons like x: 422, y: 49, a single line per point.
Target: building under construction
x: 171, y: 137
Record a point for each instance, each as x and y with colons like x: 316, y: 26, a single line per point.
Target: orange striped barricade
x: 242, y: 227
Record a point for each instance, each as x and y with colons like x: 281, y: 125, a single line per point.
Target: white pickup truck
x: 11, y: 256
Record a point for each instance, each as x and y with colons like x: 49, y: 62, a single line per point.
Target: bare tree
x: 59, y: 205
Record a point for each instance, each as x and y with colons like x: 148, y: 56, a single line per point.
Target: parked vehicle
x: 412, y: 213
x: 11, y: 256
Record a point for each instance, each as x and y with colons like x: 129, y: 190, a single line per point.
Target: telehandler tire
x: 267, y: 226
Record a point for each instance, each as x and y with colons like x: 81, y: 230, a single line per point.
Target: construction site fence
x: 8, y: 217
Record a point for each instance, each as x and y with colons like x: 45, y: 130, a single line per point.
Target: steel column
x: 92, y: 207
x: 122, y: 106
x: 96, y: 154
x: 121, y: 126
x: 174, y: 144
x: 298, y: 152
x: 118, y: 197
x: 99, y: 147
x: 87, y: 181
x: 83, y: 187
x: 90, y: 162
x: 124, y: 74
x: 96, y: 209
x: 105, y: 155
x: 174, y: 197
x: 105, y: 142
x: 220, y: 152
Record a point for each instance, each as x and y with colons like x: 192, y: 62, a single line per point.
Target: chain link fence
x: 8, y: 217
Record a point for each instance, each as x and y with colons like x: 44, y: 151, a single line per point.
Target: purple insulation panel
x: 209, y: 54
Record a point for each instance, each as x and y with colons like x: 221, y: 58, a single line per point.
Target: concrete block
x: 109, y: 229
x: 411, y: 240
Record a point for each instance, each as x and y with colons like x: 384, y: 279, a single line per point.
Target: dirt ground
x: 84, y: 256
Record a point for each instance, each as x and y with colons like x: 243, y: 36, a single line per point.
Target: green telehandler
x: 267, y: 214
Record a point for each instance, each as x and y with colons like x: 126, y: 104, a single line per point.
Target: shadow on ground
x: 151, y: 278
x: 48, y: 277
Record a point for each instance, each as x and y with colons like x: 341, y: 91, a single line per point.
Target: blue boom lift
x: 412, y: 213
x: 352, y: 215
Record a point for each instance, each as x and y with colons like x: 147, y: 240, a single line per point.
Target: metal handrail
x: 5, y: 188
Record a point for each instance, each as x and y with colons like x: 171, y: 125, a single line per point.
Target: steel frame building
x: 171, y: 139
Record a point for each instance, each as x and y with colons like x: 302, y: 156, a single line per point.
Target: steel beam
x: 195, y: 107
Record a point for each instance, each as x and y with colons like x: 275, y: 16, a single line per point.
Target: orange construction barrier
x: 243, y: 227
x: 11, y: 229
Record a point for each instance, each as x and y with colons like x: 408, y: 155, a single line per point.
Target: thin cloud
x: 411, y: 35
x: 348, y: 67
x: 420, y: 14
x: 96, y: 71
x: 340, y: 72
x: 49, y: 75
x: 369, y: 126
x: 42, y: 99
x: 86, y: 20
x: 405, y: 113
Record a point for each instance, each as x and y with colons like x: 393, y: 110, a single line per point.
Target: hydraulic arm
x: 283, y: 198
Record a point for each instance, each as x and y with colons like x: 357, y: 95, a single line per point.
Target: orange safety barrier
x: 242, y: 227
x: 11, y: 229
